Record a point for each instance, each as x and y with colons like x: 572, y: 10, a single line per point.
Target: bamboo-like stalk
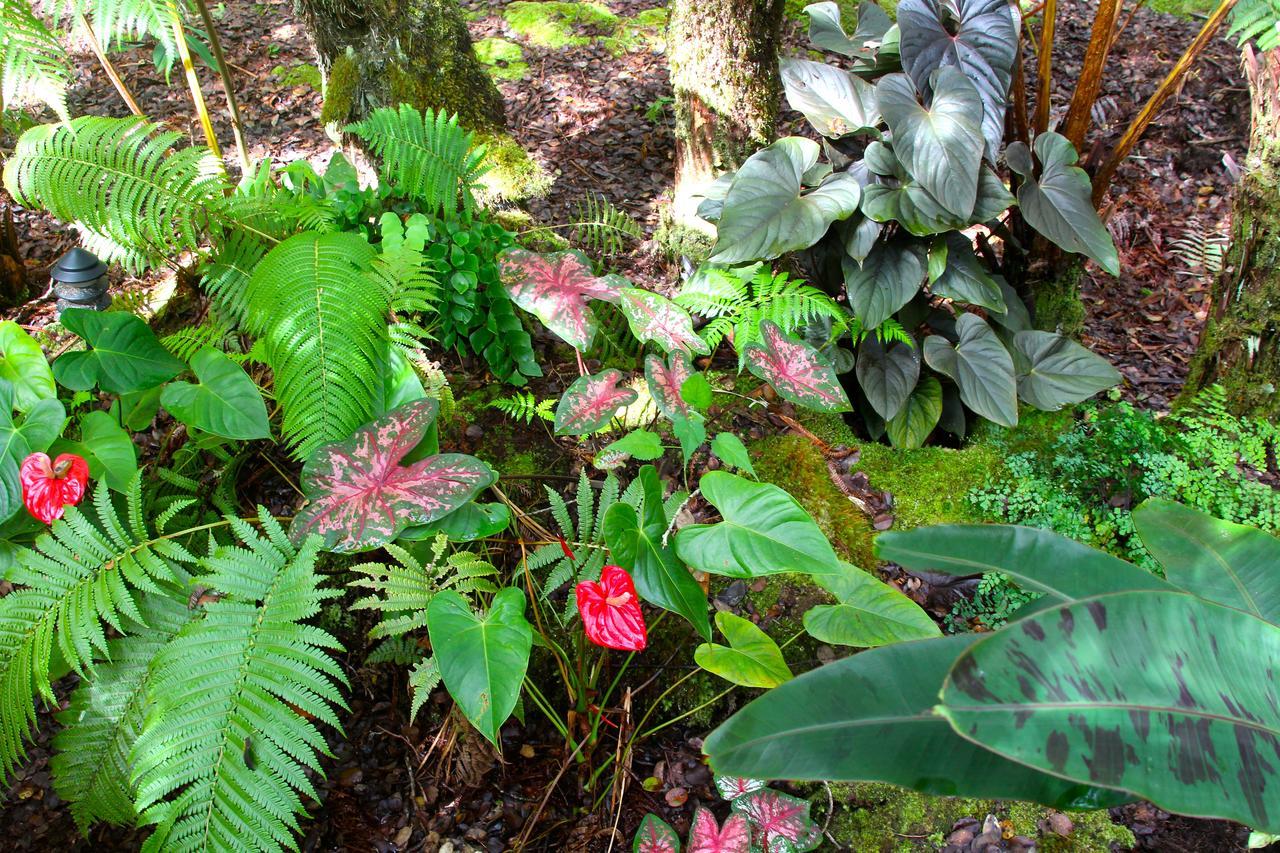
x: 1079, y: 114
x: 1020, y: 126
x: 110, y: 69
x: 1044, y: 67
x: 1168, y: 86
x: 193, y: 80
x: 224, y: 71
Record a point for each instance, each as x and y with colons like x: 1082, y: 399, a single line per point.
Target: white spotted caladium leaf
x: 655, y: 835
x: 797, y: 371
x: 781, y: 822
x: 732, y: 787
x: 665, y: 382
x: 555, y: 288
x: 654, y: 317
x: 359, y: 496
x: 591, y: 402
x: 707, y: 836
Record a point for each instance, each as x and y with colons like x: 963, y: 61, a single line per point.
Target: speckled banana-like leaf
x: 591, y: 402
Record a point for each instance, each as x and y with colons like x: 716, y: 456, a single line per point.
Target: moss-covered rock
x: 555, y: 24
x: 513, y: 175
x: 503, y: 58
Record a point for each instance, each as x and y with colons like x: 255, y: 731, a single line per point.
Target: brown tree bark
x: 13, y: 273
x: 723, y: 56
x: 1240, y: 346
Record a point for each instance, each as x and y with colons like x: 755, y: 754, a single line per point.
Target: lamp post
x: 80, y: 281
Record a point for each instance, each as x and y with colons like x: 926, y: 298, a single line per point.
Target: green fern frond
x: 226, y: 274
x: 523, y: 406
x: 582, y: 532
x: 1258, y: 20
x: 228, y: 737
x: 426, y: 155
x: 121, y: 21
x: 601, y: 228
x: 401, y: 651
x: 34, y: 69
x: 186, y: 342
x: 424, y: 678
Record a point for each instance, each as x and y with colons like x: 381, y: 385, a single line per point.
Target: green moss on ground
x: 503, y: 58
x: 929, y: 485
x: 1184, y: 8
x: 554, y: 24
x: 513, y: 175
x: 303, y: 74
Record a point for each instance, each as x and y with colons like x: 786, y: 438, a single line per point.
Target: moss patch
x: 503, y: 58
x: 304, y: 74
x: 929, y: 485
x: 340, y: 89
x: 555, y: 24
x: 1184, y: 8
x: 513, y: 175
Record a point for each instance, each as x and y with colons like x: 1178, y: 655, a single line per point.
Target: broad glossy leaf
x: 912, y: 206
x: 870, y: 613
x: 556, y: 288
x: 591, y: 402
x: 707, y: 836
x: 1059, y: 201
x: 941, y: 145
x: 226, y: 403
x: 980, y: 366
x: 359, y: 496
x: 885, y: 281
x: 124, y: 354
x: 797, y: 371
x: 827, y: 33
x: 1228, y: 563
x: 655, y: 835
x: 870, y: 717
x: 482, y: 659
x: 639, y: 444
x: 22, y: 364
x: 764, y: 531
x: 1157, y: 693
x: 887, y: 375
x: 860, y: 236
x: 752, y: 658
x: 965, y: 279
x: 730, y: 450
x: 34, y: 432
x: 977, y: 36
x: 780, y: 822
x: 1055, y: 371
x: 637, y: 545
x: 656, y: 318
x: 766, y: 214
x: 468, y: 523
x: 1016, y: 317
x: 912, y: 426
x: 106, y: 447
x: 834, y: 101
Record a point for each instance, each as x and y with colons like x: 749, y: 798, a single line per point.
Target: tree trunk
x: 13, y: 273
x: 1240, y: 345
x: 723, y: 56
x: 385, y: 52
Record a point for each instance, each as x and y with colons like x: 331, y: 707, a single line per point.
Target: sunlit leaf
x: 654, y: 317
x: 797, y: 371
x: 752, y: 658
x: 591, y: 402
x: 556, y: 288
x: 834, y: 101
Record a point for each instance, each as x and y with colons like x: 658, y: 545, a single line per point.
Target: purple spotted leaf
x: 666, y: 381
x: 781, y: 822
x: 797, y: 371
x: 732, y: 787
x: 707, y: 836
x: 655, y: 836
x: 359, y: 496
x: 654, y: 317
x: 555, y: 288
x: 591, y: 402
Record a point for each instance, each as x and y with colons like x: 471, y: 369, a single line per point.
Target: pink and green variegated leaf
x: 732, y: 787
x: 555, y: 288
x: 707, y: 836
x: 781, y: 822
x: 359, y: 496
x: 665, y: 382
x: 655, y: 836
x: 797, y: 371
x: 591, y: 402
x: 654, y: 317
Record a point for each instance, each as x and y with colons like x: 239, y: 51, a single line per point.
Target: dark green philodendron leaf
x: 226, y: 403
x: 591, y: 402
x: 870, y: 717
x: 827, y: 33
x: 913, y: 424
x: 764, y: 531
x: 994, y: 197
x: 797, y: 371
x: 980, y: 366
x: 106, y: 447
x: 1055, y: 371
x: 1158, y: 693
x: 979, y: 37
x: 940, y: 145
x: 965, y: 279
x: 468, y: 523
x: 22, y: 363
x: 1059, y: 201
x: 1228, y: 563
x: 752, y: 658
x: 834, y: 101
x: 1016, y: 317
x: 869, y: 613
x: 124, y: 354
x: 860, y: 234
x: 887, y: 375
x: 637, y: 545
x: 912, y: 206
x: 482, y: 658
x: 766, y: 215
x: 885, y: 281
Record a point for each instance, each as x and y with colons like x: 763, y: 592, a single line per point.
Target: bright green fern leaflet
x: 34, y: 69
x: 523, y: 406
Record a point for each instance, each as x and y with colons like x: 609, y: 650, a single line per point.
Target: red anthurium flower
x: 611, y: 611
x: 49, y: 486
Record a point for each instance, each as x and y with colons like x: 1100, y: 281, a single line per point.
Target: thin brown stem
x: 112, y: 74
x: 1044, y: 67
x: 228, y: 86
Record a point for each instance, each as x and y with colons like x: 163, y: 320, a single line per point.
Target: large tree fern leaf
x: 34, y: 69
x: 116, y: 22
x: 223, y: 759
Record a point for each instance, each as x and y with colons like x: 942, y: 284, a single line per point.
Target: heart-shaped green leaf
x: 730, y: 450
x: 22, y: 363
x: 226, y: 403
x: 752, y: 658
x: 885, y: 281
x: 980, y: 366
x: 834, y: 101
x: 887, y: 375
x: 965, y: 279
x: 106, y: 447
x: 913, y: 424
x: 124, y: 354
x: 1055, y: 371
x: 870, y: 613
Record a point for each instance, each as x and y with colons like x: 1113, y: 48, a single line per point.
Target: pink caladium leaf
x: 797, y: 371
x: 653, y: 317
x: 706, y: 836
x: 591, y: 402
x: 732, y: 787
x: 360, y: 496
x: 665, y: 382
x: 781, y: 822
x: 655, y: 836
x: 555, y: 288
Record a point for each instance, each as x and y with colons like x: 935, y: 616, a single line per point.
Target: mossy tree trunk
x: 386, y: 52
x: 723, y: 56
x: 1240, y: 345
x: 13, y: 273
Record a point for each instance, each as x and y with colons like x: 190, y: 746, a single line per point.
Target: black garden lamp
x: 80, y: 281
